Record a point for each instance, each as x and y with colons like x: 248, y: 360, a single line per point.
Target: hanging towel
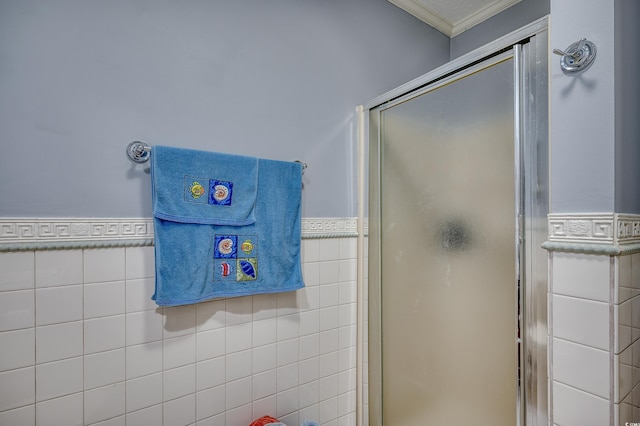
x: 243, y: 239
x: 192, y: 186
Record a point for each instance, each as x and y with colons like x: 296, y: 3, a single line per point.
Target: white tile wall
x: 82, y: 343
x: 595, y: 339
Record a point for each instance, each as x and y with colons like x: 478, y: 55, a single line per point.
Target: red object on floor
x: 265, y: 420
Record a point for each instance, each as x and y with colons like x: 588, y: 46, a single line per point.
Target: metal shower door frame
x: 528, y: 48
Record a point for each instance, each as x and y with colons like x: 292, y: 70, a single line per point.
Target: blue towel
x: 217, y: 256
x: 185, y: 191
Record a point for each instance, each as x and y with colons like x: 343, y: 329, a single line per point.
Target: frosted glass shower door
x: 448, y: 247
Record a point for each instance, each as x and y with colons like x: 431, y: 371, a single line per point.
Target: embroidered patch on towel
x: 235, y: 257
x: 196, y: 189
x: 204, y: 190
x: 220, y: 192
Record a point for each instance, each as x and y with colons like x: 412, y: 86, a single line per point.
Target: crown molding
x: 421, y: 10
x: 19, y: 234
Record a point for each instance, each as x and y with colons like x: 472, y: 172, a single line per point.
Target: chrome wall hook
x: 578, y: 57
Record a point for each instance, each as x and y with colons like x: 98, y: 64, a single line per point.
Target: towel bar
x: 139, y: 152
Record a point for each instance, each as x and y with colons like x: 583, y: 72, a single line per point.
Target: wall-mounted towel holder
x: 139, y: 152
x: 577, y: 57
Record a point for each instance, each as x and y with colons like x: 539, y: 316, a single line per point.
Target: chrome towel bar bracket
x: 138, y: 152
x: 578, y: 57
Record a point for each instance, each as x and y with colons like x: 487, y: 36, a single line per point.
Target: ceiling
x: 451, y: 17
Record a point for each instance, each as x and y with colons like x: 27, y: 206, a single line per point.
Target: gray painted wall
x: 627, y: 89
x: 517, y: 16
x: 280, y: 79
x: 582, y: 121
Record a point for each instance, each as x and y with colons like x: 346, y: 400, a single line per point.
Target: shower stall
x: 458, y: 202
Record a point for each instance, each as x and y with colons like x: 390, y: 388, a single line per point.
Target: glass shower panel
x: 448, y: 253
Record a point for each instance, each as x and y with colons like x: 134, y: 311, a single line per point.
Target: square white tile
x: 104, y: 368
x: 239, y: 365
x: 309, y: 322
x: 263, y: 405
x: 329, y: 272
x: 310, y: 250
x: 239, y: 337
x: 329, y: 318
x: 104, y: 299
x: 179, y: 321
x: 179, y: 351
x: 329, y: 341
x: 58, y: 267
x: 328, y: 410
x: 309, y: 346
x: 581, y: 321
x: 581, y: 367
x: 211, y: 315
x: 264, y: 384
x: 59, y: 341
x: 308, y: 396
x: 329, y: 249
x: 210, y: 402
x: 238, y: 393
x: 210, y: 344
x: 16, y: 271
x: 575, y: 407
x: 58, y: 304
x: 144, y: 392
x: 144, y: 359
x: 140, y: 262
x: 144, y: 327
x: 347, y: 314
x: 264, y: 331
x: 348, y: 270
x: 265, y: 306
x: 104, y: 403
x: 309, y: 298
x: 103, y: 334
x: 242, y: 415
x: 17, y: 349
x: 288, y: 326
x: 582, y: 275
x: 179, y: 382
x: 309, y: 370
x: 264, y: 358
x: 102, y: 265
x: 138, y: 295
x: 20, y: 416
x: 63, y: 411
x: 348, y: 292
x: 145, y: 417
x: 17, y: 310
x: 179, y: 412
x: 17, y: 388
x: 329, y: 295
x: 347, y: 359
x: 287, y: 403
x: 311, y: 273
x: 59, y: 378
x: 288, y: 352
x: 239, y: 310
x: 348, y: 248
x: 287, y: 303
x: 210, y: 373
x: 287, y: 377
x: 328, y: 387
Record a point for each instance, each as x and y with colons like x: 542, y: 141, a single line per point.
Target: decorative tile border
x: 63, y: 233
x: 597, y: 233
